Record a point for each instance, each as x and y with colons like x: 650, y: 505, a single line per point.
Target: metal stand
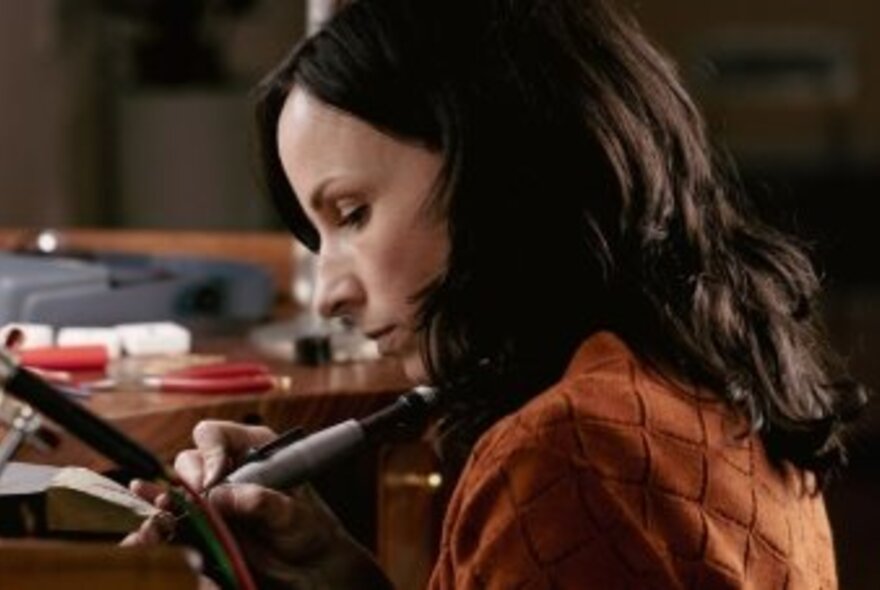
x: 22, y: 423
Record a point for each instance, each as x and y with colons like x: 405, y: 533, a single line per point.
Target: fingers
x: 154, y: 530
x: 249, y: 503
x: 293, y: 541
x: 189, y: 465
x: 275, y: 531
x: 153, y: 493
x: 218, y: 444
x: 215, y: 447
x: 238, y: 438
x: 146, y: 490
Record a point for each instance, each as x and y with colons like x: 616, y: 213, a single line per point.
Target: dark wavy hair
x: 581, y: 194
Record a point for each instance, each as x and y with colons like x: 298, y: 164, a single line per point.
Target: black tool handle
x: 295, y: 461
x: 83, y: 424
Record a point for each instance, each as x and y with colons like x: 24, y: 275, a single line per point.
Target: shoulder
x: 558, y: 481
x: 607, y: 413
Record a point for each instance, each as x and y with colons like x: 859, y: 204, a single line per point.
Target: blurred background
x: 129, y: 113
x: 135, y: 113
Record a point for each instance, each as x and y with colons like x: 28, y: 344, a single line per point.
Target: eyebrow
x: 318, y: 196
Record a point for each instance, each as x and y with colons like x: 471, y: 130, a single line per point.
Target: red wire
x: 242, y: 573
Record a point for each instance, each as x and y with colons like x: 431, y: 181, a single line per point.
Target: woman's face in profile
x: 367, y: 195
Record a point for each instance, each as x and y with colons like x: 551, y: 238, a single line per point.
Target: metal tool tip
x: 428, y: 394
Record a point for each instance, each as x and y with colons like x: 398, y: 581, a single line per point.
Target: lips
x: 383, y: 340
x: 377, y: 334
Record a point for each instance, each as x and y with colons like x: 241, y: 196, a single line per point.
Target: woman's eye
x: 356, y: 218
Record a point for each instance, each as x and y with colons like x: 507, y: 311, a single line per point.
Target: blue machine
x: 114, y: 288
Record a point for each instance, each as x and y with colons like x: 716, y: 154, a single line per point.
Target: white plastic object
x: 35, y: 335
x: 79, y: 335
x: 154, y: 338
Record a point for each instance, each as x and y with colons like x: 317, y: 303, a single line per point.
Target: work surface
x: 379, y: 497
x: 163, y: 422
x: 317, y: 396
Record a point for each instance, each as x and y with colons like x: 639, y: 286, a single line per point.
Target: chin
x: 414, y: 369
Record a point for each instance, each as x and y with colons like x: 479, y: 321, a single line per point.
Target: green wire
x: 206, y: 542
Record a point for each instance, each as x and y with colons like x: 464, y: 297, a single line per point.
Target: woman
x: 517, y: 199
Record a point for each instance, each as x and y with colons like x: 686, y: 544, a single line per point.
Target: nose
x: 338, y: 291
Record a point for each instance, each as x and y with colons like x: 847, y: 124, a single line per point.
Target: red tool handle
x: 224, y: 369
x: 66, y: 358
x: 240, y: 384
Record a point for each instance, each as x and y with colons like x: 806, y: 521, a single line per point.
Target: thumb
x: 222, y: 443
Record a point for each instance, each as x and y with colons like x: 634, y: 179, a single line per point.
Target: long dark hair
x: 581, y: 194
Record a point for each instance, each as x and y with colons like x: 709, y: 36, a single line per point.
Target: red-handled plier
x: 225, y: 377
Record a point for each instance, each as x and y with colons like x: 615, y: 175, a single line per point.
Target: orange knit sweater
x: 616, y: 478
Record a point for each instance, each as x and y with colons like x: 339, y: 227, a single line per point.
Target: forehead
x: 320, y: 144
x: 319, y: 140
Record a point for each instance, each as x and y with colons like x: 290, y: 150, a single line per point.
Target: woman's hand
x: 219, y: 446
x: 290, y: 541
x: 295, y: 541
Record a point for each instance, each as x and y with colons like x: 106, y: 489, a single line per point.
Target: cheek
x: 406, y: 263
x: 394, y: 279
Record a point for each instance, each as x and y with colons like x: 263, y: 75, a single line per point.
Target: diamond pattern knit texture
x: 619, y: 478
